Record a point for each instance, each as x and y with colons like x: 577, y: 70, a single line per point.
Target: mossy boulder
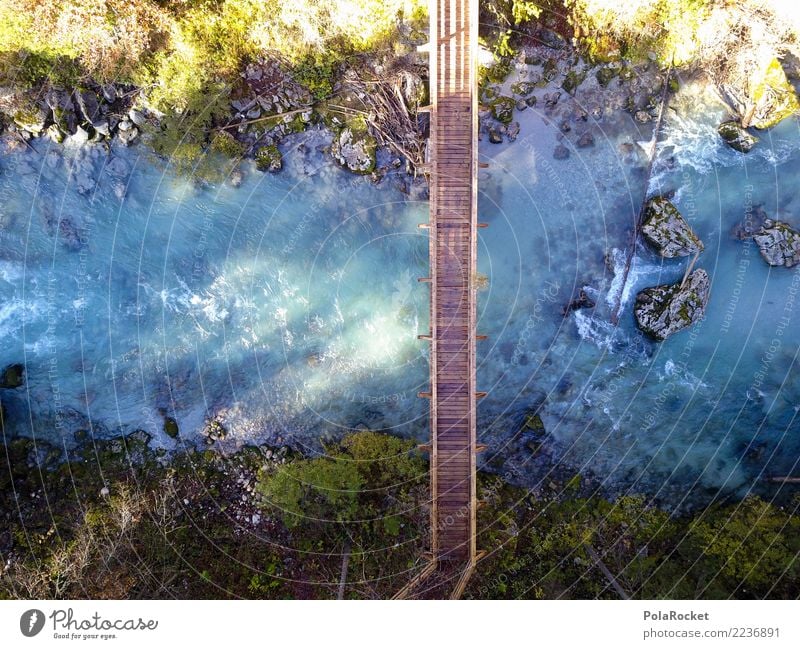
x: 13, y: 376
x: 503, y: 109
x: 573, y: 79
x: 171, y: 427
x: 523, y: 88
x: 736, y: 137
x: 778, y: 243
x: 214, y: 431
x: 269, y: 158
x: 605, y: 75
x: 667, y: 231
x: 773, y: 97
x: 354, y: 148
x: 663, y: 310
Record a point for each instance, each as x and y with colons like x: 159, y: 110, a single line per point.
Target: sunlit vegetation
x: 122, y: 523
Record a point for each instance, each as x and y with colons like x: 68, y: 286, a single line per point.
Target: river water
x: 288, y: 307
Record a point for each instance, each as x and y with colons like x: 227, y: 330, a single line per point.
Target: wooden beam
x: 480, y: 395
x: 480, y: 448
x: 424, y: 226
x: 481, y: 337
x: 424, y: 337
x: 424, y: 280
x: 424, y: 395
x: 425, y: 448
x: 483, y: 225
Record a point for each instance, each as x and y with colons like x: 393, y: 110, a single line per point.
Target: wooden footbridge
x: 452, y: 172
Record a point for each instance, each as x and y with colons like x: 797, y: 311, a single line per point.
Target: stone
x: 773, y: 97
x: 662, y: 311
x: 580, y: 301
x: 531, y: 101
x: 586, y: 139
x: 354, y: 149
x: 87, y: 104
x: 502, y: 109
x: 605, y: 74
x: 495, y: 137
x: 137, y: 117
x: 521, y: 104
x: 55, y: 133
x: 13, y: 376
x: 642, y: 116
x: 665, y: 229
x: 109, y: 93
x: 736, y: 137
x: 560, y: 152
x: 573, y: 79
x: 171, y: 427
x: 102, y: 128
x: 215, y: 431
x: 245, y: 104
x: 31, y: 119
x: 269, y: 158
x: 523, y: 88
x: 779, y: 243
x: 127, y: 136
x: 254, y: 113
x: 125, y: 125
x: 512, y: 131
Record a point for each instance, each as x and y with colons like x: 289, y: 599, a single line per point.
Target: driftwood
x: 345, y: 565
x: 638, y: 224
x: 606, y: 572
x: 784, y: 479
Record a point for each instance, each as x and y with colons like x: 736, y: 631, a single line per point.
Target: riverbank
x: 120, y: 521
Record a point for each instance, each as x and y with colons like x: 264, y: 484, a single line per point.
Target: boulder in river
x: 667, y: 231
x: 13, y: 376
x: 736, y: 137
x: 779, y: 243
x: 666, y: 309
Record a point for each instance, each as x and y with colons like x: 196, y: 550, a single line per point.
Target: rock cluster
x: 666, y: 309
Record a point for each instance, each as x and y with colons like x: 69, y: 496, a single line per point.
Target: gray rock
x: 666, y: 309
x: 125, y: 125
x: 779, y: 244
x: 127, y: 136
x: 521, y: 104
x: 642, y: 116
x: 512, y: 131
x: 667, y: 231
x: 585, y: 140
x: 736, y: 137
x: 102, y: 128
x: 354, y: 150
x: 109, y: 93
x: 244, y: 104
x: 560, y: 152
x: 254, y: 113
x: 495, y: 137
x: 87, y: 104
x: 137, y: 117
